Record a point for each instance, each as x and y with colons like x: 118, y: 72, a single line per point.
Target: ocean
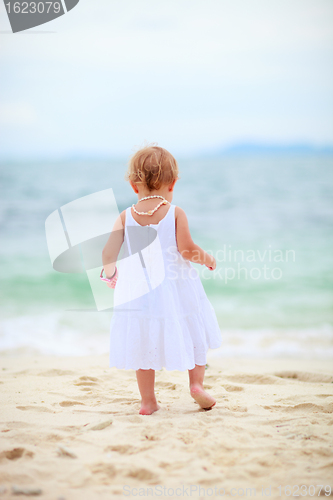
x: 267, y: 218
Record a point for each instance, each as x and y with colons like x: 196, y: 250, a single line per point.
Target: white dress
x: 162, y: 316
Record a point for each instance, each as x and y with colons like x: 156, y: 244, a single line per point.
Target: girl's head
x: 152, y: 168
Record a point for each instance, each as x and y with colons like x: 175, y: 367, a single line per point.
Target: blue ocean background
x: 249, y: 209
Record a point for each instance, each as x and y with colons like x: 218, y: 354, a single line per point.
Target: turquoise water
x: 267, y: 219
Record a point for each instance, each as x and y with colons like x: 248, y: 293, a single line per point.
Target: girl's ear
x: 172, y: 185
x: 133, y: 186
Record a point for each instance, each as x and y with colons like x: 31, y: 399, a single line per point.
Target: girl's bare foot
x: 205, y: 400
x: 146, y: 382
x: 148, y: 408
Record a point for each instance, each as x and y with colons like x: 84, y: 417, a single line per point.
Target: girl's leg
x: 146, y: 382
x: 198, y: 393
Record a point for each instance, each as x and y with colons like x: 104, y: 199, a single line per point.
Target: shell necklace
x: 151, y: 212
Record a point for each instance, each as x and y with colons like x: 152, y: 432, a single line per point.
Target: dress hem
x: 156, y: 369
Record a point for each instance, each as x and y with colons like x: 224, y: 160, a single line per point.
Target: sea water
x: 267, y: 219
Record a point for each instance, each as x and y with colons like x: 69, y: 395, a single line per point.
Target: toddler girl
x: 162, y: 316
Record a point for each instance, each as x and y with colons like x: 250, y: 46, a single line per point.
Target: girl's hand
x: 112, y: 284
x: 212, y: 264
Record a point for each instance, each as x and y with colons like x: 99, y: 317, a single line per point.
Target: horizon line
x: 246, y: 147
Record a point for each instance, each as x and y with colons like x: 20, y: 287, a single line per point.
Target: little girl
x: 162, y: 317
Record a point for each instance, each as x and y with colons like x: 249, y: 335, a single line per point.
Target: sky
x: 191, y: 76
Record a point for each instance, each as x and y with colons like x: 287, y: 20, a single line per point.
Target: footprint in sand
x: 150, y: 435
x: 306, y: 377
x: 103, y: 472
x: 134, y: 419
x: 123, y: 449
x: 54, y: 438
x: 166, y: 385
x: 126, y: 401
x: 86, y: 381
x: 186, y: 438
x: 238, y: 408
x: 55, y: 373
x: 70, y: 403
x: 300, y: 398
x: 253, y: 378
x: 22, y: 372
x: 218, y: 420
x: 18, y: 490
x: 99, y: 426
x: 16, y: 453
x: 142, y: 474
x: 232, y: 388
x: 308, y: 407
x: 35, y: 408
x: 172, y: 466
x: 17, y: 425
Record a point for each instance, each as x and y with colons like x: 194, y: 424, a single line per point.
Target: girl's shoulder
x: 181, y: 221
x: 179, y: 213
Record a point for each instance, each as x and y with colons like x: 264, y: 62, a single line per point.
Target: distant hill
x: 250, y: 148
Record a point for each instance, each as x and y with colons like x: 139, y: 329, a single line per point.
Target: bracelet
x: 115, y: 271
x: 108, y: 279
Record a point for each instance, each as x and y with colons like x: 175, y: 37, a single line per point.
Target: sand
x: 70, y: 429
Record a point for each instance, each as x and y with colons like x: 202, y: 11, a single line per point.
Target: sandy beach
x: 70, y: 429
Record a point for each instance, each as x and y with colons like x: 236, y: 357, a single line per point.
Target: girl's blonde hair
x: 152, y: 166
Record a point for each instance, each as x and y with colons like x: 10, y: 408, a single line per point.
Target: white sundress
x: 162, y: 316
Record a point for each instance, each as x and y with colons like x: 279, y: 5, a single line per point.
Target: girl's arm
x: 186, y: 246
x: 112, y: 248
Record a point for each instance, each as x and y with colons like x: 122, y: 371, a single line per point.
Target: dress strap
x: 128, y: 216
